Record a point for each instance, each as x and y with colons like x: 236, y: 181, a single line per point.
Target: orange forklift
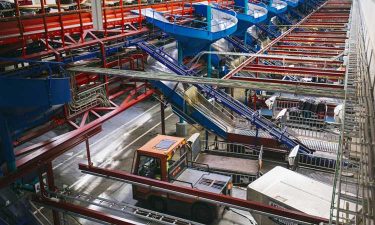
x: 169, y: 159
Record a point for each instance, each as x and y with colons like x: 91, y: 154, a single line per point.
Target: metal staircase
x: 252, y: 116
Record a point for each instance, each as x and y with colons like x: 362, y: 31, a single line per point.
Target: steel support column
x: 7, y: 145
x: 162, y: 114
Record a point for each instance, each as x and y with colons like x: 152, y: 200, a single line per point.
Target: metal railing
x: 226, y: 21
x: 81, y: 101
x: 353, y: 193
x: 316, y: 162
x: 231, y: 149
x: 309, y: 124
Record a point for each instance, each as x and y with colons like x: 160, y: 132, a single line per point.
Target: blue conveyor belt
x: 224, y: 99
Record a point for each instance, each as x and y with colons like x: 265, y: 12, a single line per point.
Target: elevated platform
x: 247, y: 14
x: 192, y: 34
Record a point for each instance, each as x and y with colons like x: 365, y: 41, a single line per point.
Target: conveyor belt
x: 224, y: 99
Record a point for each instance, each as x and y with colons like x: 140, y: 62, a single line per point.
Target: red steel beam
x: 320, y: 32
x: 303, y: 53
x: 313, y: 40
x: 83, y: 211
x: 321, y: 36
x: 36, y: 146
x: 298, y: 71
x: 333, y: 49
x: 329, y: 16
x: 125, y: 176
x: 288, y: 82
x: 305, y: 61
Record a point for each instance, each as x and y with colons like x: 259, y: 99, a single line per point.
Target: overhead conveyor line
x: 297, y: 88
x: 225, y: 200
x: 229, y: 102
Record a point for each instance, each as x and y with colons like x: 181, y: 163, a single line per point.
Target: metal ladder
x: 122, y: 207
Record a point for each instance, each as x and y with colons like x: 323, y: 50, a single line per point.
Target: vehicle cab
x: 153, y: 158
x: 168, y: 159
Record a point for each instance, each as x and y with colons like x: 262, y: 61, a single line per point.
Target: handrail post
x: 140, y: 14
x: 44, y: 23
x: 61, y: 22
x: 20, y: 26
x: 80, y: 19
x: 105, y: 18
x: 122, y: 15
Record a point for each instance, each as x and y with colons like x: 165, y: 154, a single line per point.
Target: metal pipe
x: 80, y: 20
x: 162, y: 114
x: 61, y: 22
x: 122, y: 16
x: 45, y: 23
x: 295, y: 88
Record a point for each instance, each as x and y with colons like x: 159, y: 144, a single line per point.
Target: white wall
x: 368, y: 10
x: 368, y: 15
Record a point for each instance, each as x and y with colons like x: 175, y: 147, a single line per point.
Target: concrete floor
x: 114, y: 148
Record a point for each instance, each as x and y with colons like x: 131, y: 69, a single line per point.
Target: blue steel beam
x: 7, y: 152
